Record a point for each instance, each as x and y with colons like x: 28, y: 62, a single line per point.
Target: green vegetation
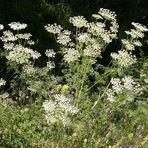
x: 66, y: 96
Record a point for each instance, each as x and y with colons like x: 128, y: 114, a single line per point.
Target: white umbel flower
x: 110, y: 95
x: 30, y: 42
x: 97, y: 16
x: 8, y: 46
x: 128, y: 45
x: 8, y: 36
x: 96, y: 29
x: 78, y: 21
x: 137, y: 43
x: 107, y: 14
x: 25, y: 36
x: 93, y: 50
x: 64, y: 37
x: 17, y: 25
x: 140, y: 27
x: 2, y: 82
x: 50, y: 65
x: 50, y: 53
x: 1, y: 27
x: 116, y: 85
x: 124, y: 58
x: 128, y: 82
x: 21, y: 54
x: 71, y: 54
x: 83, y: 38
x: 114, y: 26
x: 53, y: 28
x: 57, y: 111
x: 126, y: 87
x: 29, y: 69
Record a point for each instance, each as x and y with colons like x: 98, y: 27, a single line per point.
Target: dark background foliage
x: 37, y: 13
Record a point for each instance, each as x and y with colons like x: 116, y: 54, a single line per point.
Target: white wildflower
x: 71, y: 54
x: 97, y: 16
x: 106, y: 37
x: 83, y: 38
x: 140, y: 27
x: 128, y: 82
x: 124, y: 58
x: 50, y: 53
x: 96, y: 30
x: 53, y: 28
x: 8, y: 36
x: 128, y: 45
x: 66, y: 32
x: 114, y: 26
x: 59, y: 109
x: 64, y: 37
x: 107, y: 14
x: 29, y: 69
x: 50, y: 65
x: 125, y: 86
x: 135, y: 34
x: 99, y: 29
x: 100, y: 25
x: 78, y: 21
x: 1, y: 27
x: 21, y: 54
x: 137, y: 43
x: 110, y: 95
x: 30, y: 42
x: 25, y: 36
x: 8, y: 46
x: 92, y: 50
x: 49, y: 106
x: 116, y: 85
x: 128, y: 32
x: 2, y: 82
x: 33, y: 54
x: 17, y: 25
x: 71, y: 45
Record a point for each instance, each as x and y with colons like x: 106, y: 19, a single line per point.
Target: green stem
x: 79, y: 89
x: 96, y: 102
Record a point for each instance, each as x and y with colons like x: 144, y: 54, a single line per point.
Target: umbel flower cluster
x: 2, y: 82
x: 88, y: 43
x: 80, y: 51
x: 126, y: 86
x: 58, y: 110
x: 125, y: 57
x: 17, y: 45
